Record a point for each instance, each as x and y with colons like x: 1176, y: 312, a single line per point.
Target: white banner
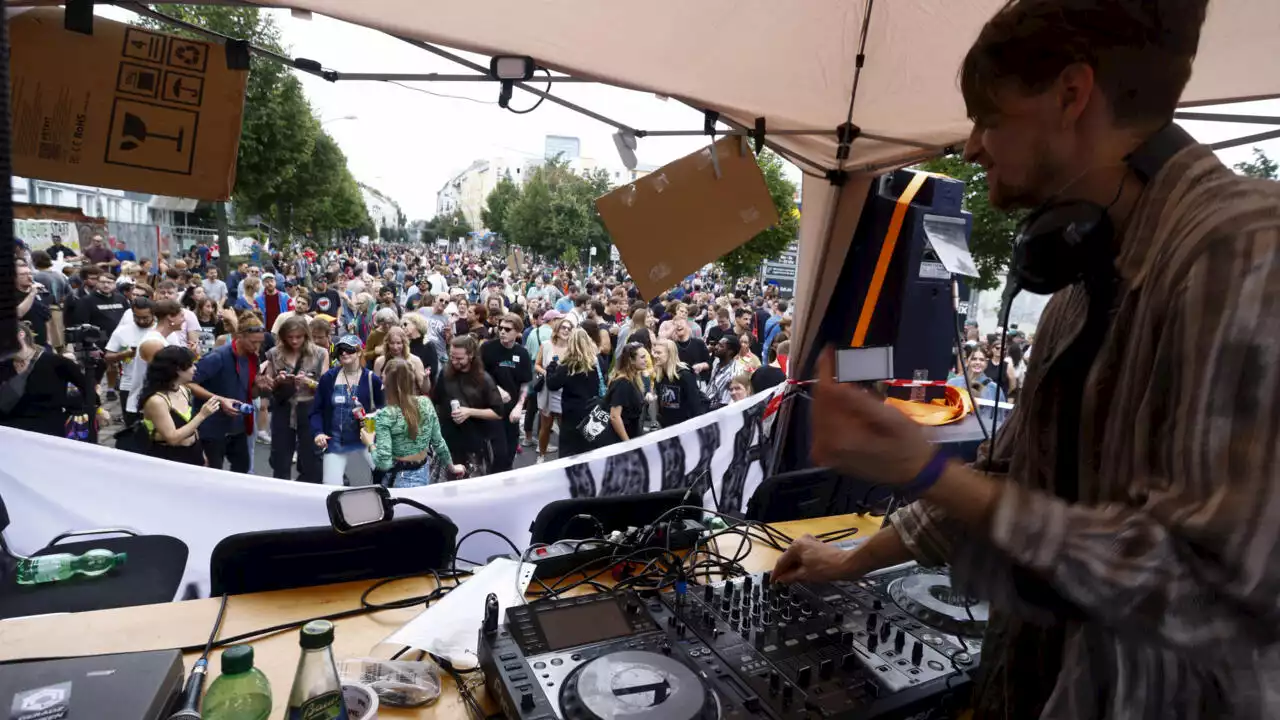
x: 51, y: 485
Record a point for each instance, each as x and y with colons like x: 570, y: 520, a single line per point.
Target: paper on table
x: 450, y: 627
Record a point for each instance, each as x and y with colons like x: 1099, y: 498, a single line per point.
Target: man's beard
x: 1043, y: 181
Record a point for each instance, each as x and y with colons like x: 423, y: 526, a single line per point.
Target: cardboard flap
x: 681, y: 216
x: 123, y: 108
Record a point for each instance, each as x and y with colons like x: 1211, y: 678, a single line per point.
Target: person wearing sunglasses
x: 345, y: 395
x: 512, y: 369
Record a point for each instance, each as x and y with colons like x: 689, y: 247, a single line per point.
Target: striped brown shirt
x: 1156, y: 594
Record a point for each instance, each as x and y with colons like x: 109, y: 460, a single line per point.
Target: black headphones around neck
x: 1065, y: 241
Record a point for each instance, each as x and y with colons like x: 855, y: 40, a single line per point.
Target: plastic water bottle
x: 52, y: 568
x: 245, y: 408
x: 241, y: 692
x: 317, y: 691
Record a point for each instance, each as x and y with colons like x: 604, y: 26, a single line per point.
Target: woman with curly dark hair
x: 167, y: 409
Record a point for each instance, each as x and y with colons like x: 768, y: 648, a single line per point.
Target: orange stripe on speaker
x: 886, y: 255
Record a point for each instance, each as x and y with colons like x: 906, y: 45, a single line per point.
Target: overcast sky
x: 408, y: 143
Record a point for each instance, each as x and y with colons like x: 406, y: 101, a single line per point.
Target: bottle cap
x: 120, y: 558
x: 317, y: 634
x: 237, y: 659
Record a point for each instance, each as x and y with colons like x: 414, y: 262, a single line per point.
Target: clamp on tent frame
x: 79, y: 16
x: 709, y: 120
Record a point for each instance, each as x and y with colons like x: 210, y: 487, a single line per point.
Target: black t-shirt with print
x: 624, y: 393
x: 327, y: 302
x: 510, y: 367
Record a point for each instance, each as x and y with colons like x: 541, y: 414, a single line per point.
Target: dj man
x: 1128, y: 540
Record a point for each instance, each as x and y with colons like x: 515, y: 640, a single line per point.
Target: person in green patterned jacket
x: 407, y: 432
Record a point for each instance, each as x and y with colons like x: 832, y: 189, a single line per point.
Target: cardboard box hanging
x: 123, y: 108
x: 681, y: 216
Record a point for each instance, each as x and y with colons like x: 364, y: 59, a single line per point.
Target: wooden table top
x: 183, y: 624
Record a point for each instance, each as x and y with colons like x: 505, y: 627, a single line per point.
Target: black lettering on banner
x: 673, y: 460
x: 581, y: 482
x: 626, y: 474
x: 744, y: 454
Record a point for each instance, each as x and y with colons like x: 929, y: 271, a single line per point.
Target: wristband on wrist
x: 926, y: 478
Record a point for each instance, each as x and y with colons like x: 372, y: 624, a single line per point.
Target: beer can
x: 454, y: 405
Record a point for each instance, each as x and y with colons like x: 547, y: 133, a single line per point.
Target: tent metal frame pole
x: 441, y: 52
x: 1222, y: 117
x: 1246, y: 140
x: 445, y: 77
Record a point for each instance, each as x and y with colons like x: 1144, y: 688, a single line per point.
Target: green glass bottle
x: 241, y: 692
x: 52, y: 568
x: 317, y: 691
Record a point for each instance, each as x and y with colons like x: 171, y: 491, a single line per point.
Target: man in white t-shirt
x: 123, y: 344
x: 188, y: 332
x: 214, y: 289
x: 168, y: 314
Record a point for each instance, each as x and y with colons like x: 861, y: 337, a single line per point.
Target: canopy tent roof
x: 795, y: 64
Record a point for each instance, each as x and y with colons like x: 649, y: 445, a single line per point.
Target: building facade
x: 383, y: 211
x: 112, y: 205
x: 469, y: 190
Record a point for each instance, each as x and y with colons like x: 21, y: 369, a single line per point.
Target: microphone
x: 190, y: 707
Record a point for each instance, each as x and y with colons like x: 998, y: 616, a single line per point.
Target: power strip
x: 564, y: 556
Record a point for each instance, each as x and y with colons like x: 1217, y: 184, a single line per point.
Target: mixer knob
x: 775, y: 681
x: 777, y: 602
x: 846, y: 639
x: 899, y: 640
x: 917, y: 653
x: 825, y: 668
x: 885, y: 629
x: 872, y: 641
x: 786, y: 613
x: 849, y: 661
x: 872, y: 619
x: 708, y: 618
x: 784, y: 590
x: 708, y: 593
x: 746, y: 584
x: 765, y: 578
x: 837, y: 618
x: 788, y: 691
x: 766, y: 617
x: 527, y: 703
x: 758, y: 640
x: 737, y: 613
x: 803, y: 675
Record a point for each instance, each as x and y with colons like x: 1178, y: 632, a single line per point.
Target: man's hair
x: 1140, y: 52
x: 142, y: 304
x: 476, y: 371
x: 88, y: 272
x: 167, y: 308
x: 515, y: 320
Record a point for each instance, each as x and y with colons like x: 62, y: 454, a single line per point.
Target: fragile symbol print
x: 153, y: 137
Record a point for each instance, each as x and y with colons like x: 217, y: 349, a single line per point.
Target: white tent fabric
x: 793, y: 63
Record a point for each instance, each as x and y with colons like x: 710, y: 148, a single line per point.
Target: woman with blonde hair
x: 579, y: 377
x: 396, y: 345
x: 248, y: 300
x: 293, y: 369
x: 675, y: 385
x: 625, y: 397
x: 406, y: 435
x: 549, y: 401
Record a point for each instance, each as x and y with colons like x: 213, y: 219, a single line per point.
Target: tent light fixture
x: 509, y: 70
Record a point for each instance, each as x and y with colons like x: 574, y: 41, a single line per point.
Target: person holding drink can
x: 345, y: 399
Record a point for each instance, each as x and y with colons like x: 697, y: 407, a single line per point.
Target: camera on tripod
x: 85, y: 335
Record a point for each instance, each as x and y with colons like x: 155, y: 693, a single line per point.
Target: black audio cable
x: 190, y: 706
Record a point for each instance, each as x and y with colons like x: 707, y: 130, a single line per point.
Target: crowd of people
x: 424, y: 366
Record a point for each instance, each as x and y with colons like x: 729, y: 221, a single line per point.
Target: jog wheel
x: 635, y: 685
x: 929, y: 598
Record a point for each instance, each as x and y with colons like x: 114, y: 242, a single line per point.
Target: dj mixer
x: 897, y: 644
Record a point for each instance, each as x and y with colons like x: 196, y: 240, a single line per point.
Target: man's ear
x: 1075, y: 87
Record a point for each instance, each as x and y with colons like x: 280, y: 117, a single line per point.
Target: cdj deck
x: 896, y: 644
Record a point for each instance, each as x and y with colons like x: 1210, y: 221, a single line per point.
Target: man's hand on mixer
x: 810, y: 560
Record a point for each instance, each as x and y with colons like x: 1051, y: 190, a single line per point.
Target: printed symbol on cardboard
x: 153, y: 137
x: 188, y: 54
x: 143, y: 45
x: 182, y: 88
x: 138, y: 80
